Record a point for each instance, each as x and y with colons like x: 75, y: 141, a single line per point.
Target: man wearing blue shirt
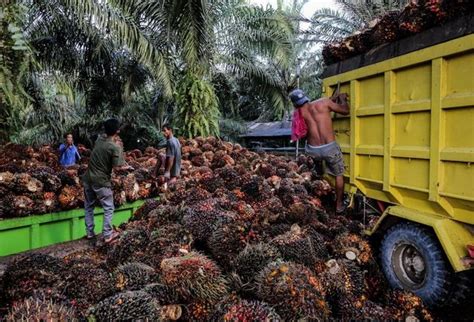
x: 68, y: 152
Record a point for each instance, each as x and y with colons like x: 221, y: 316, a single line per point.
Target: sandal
x: 111, y: 237
x: 341, y: 210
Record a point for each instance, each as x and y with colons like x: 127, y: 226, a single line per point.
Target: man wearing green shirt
x: 106, y: 155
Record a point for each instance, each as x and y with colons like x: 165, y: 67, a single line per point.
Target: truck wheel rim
x: 409, y: 265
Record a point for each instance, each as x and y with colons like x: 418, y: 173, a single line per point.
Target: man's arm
x: 170, y: 156
x: 342, y: 108
x: 62, y: 148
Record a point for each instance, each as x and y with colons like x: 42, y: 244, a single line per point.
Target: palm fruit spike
x: 194, y: 277
x: 126, y: 306
x: 165, y: 295
x: 303, y: 246
x: 28, y: 273
x: 133, y: 276
x: 38, y: 309
x: 294, y: 291
x: 250, y: 311
x: 250, y: 261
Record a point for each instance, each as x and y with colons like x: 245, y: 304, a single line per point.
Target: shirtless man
x: 320, y: 141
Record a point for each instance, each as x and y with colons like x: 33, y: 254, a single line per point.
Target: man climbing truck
x: 408, y: 144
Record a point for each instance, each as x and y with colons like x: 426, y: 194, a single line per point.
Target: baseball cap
x: 298, y: 97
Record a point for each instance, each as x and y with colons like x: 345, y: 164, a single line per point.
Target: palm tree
x: 120, y: 47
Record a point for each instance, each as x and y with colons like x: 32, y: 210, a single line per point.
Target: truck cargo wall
x: 26, y: 233
x: 410, y: 137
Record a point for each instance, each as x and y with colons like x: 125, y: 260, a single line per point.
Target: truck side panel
x: 410, y: 137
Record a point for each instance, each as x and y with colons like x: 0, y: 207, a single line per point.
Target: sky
x: 308, y: 9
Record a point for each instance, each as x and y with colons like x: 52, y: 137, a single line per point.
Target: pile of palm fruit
x: 241, y: 237
x: 415, y: 17
x: 33, y: 182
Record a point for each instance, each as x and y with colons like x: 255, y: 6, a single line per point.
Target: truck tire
x: 412, y: 259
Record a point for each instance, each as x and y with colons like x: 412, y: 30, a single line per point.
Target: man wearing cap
x: 320, y: 141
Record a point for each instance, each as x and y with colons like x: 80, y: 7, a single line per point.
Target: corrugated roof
x: 270, y: 129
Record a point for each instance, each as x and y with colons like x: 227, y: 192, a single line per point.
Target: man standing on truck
x: 107, y: 154
x: 173, y: 156
x: 320, y: 141
x: 68, y: 153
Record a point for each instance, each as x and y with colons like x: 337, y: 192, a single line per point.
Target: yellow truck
x: 409, y: 143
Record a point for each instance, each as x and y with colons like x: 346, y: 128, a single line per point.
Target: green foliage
x: 15, y: 61
x: 197, y: 112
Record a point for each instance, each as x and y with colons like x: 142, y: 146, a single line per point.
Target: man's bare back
x: 317, y: 116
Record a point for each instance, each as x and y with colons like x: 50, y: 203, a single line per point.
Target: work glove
x: 167, y: 175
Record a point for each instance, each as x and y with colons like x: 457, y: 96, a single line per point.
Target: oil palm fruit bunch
x: 47, y: 202
x: 171, y: 234
x: 344, y: 282
x: 203, y: 218
x: 194, y: 277
x: 40, y: 309
x: 408, y: 305
x: 129, y: 243
x: 126, y: 306
x: 29, y: 273
x: 133, y: 276
x: 253, y: 258
x: 69, y: 177
x: 165, y: 215
x: 18, y: 205
x: 24, y: 183
x: 302, y: 213
x: 194, y: 195
x: 230, y: 176
x: 145, y: 209
x: 71, y: 197
x: 387, y: 29
x: 51, y: 182
x: 301, y: 245
x: 162, y: 293
x: 87, y: 283
x: 199, y: 311
x: 211, y: 182
x: 131, y: 187
x: 229, y: 239
x: 250, y: 311
x: 293, y: 290
x: 348, y: 243
x: 344, y: 277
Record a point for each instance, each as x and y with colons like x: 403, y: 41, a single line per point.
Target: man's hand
x: 167, y: 175
x: 343, y: 96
